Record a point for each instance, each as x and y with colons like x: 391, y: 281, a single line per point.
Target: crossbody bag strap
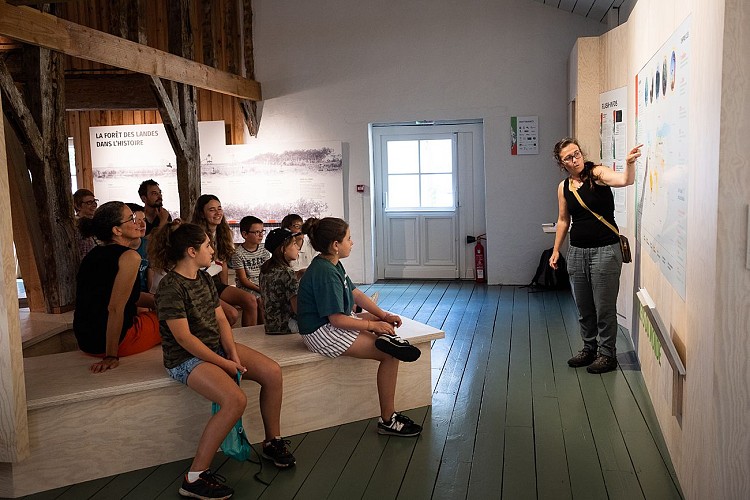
x: 602, y: 219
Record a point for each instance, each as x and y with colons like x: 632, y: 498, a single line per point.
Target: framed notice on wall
x: 524, y: 137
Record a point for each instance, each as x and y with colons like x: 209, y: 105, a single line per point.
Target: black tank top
x: 587, y: 231
x: 95, y: 280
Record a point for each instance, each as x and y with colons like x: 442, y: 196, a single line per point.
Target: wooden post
x: 26, y: 233
x: 249, y: 108
x: 14, y: 427
x: 50, y: 174
x: 182, y: 123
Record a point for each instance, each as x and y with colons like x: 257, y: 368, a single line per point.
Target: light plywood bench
x: 84, y: 426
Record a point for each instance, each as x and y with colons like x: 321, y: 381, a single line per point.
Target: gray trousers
x: 595, y: 278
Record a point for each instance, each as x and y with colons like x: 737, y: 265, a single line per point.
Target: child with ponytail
x: 328, y: 327
x: 200, y: 351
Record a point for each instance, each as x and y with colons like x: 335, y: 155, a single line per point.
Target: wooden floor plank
x: 586, y: 478
x: 323, y: 476
x: 122, y: 484
x: 487, y: 465
x: 419, y: 478
x: 519, y: 478
x: 477, y: 323
x: 384, y: 482
x: 289, y: 481
x: 155, y: 483
x: 356, y: 475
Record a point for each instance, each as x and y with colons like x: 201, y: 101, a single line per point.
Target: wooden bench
x: 84, y: 426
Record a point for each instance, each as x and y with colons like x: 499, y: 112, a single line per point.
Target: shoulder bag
x: 624, y: 243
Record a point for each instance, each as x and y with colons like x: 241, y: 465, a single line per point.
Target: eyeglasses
x: 132, y: 219
x: 257, y: 233
x: 90, y: 202
x: 577, y: 155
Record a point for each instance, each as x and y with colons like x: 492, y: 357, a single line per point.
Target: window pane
x: 403, y: 157
x: 403, y: 191
x: 436, y: 155
x: 437, y: 191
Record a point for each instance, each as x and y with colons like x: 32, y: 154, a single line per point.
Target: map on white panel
x: 662, y: 120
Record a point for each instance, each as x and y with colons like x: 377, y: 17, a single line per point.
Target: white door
x: 417, y: 222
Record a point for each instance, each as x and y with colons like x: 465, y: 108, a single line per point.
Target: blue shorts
x: 182, y: 371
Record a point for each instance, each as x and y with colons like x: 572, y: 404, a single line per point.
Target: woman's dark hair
x: 323, y: 232
x: 169, y: 243
x: 305, y: 229
x: 222, y: 242
x: 290, y: 219
x: 105, y: 218
x: 587, y: 174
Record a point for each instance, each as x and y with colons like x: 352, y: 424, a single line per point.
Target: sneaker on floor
x: 399, y: 425
x: 207, y: 486
x: 276, y: 451
x: 603, y: 364
x: 583, y: 358
x: 397, y: 347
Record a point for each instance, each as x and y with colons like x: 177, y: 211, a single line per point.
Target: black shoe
x: 397, y: 347
x: 208, y: 486
x: 603, y: 364
x: 399, y: 425
x: 276, y: 451
x: 583, y: 358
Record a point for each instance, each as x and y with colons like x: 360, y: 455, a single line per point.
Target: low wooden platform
x: 85, y: 426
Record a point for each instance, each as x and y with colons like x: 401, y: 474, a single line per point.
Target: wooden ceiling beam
x: 31, y: 26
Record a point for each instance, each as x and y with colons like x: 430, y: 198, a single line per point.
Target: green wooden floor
x: 509, y: 418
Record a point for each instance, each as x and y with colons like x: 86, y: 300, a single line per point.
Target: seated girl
x: 200, y: 352
x: 328, y: 327
x: 105, y: 322
x: 209, y: 215
x: 278, y: 284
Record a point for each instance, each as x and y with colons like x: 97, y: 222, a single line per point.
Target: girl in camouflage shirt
x: 200, y: 351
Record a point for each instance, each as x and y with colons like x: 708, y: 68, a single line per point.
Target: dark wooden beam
x: 181, y: 121
x: 44, y: 30
x: 19, y: 114
x: 123, y: 91
x: 27, y: 234
x: 50, y: 176
x: 249, y: 108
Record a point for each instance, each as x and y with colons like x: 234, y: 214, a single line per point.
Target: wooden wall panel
x: 733, y: 293
x: 710, y: 447
x: 211, y: 106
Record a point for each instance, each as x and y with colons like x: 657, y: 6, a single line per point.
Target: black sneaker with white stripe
x: 399, y: 425
x: 397, y: 347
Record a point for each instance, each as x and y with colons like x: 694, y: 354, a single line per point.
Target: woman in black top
x: 106, y: 322
x: 594, y: 256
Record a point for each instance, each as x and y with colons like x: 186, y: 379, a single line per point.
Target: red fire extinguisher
x: 479, y: 263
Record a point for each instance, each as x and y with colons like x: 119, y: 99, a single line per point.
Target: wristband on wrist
x: 116, y: 358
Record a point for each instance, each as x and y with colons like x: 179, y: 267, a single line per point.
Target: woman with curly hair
x: 209, y: 215
x: 106, y: 321
x: 594, y: 256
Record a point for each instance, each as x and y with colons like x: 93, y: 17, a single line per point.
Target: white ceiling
x: 593, y: 9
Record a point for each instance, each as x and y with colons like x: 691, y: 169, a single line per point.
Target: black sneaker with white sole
x: 208, y: 486
x: 277, y: 451
x: 397, y: 347
x: 399, y: 425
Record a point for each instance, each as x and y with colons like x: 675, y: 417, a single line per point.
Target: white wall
x: 330, y: 68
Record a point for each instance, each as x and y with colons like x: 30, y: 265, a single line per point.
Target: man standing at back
x: 156, y: 215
